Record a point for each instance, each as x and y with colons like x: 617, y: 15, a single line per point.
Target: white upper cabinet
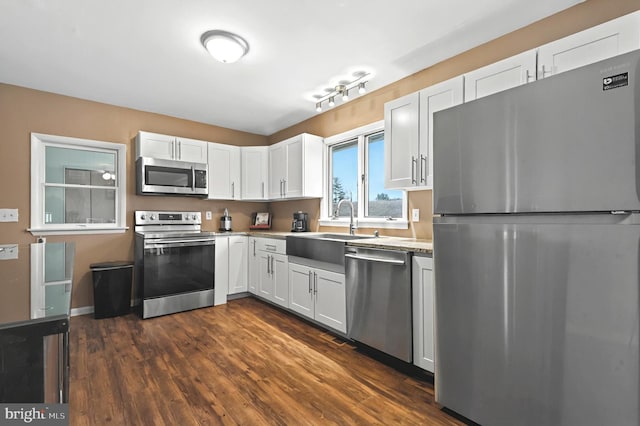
x: 295, y: 168
x: 224, y: 172
x: 499, y: 76
x: 255, y: 172
x: 167, y: 147
x: 603, y: 41
x: 191, y: 150
x: 401, y: 132
x: 408, y: 126
x: 432, y: 99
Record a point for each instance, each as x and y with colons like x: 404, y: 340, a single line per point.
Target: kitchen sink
x: 325, y: 247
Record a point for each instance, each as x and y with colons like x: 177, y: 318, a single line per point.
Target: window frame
x: 360, y: 134
x: 39, y: 143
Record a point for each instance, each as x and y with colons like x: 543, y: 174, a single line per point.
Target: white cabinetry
x: 167, y: 147
x: 318, y: 294
x: 408, y: 129
x: 423, y: 313
x: 253, y: 273
x: 224, y: 172
x: 230, y: 266
x: 295, y: 168
x: 255, y: 172
x: 273, y: 279
x: 603, y: 41
x: 499, y: 76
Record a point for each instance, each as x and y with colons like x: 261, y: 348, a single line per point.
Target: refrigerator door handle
x: 414, y: 162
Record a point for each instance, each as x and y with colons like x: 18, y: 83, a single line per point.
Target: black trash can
x: 111, y: 288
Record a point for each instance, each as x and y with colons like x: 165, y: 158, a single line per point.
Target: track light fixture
x: 342, y: 90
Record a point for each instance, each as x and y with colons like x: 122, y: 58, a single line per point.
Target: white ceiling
x: 146, y: 54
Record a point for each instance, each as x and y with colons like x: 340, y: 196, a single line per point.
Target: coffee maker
x: 300, y: 222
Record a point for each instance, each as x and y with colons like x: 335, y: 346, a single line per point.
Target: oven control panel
x: 144, y: 217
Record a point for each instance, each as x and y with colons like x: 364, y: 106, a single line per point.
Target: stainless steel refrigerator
x: 537, y: 251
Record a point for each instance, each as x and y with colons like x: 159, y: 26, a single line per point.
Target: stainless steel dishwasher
x: 378, y: 284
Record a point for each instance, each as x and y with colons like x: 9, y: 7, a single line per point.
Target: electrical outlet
x: 8, y: 215
x: 207, y: 215
x: 415, y: 215
x: 8, y: 251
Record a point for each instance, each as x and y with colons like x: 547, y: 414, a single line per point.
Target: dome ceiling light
x: 224, y: 46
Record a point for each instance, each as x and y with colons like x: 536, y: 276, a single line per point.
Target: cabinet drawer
x: 271, y: 245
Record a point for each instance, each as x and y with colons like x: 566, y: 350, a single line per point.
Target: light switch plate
x: 415, y: 215
x: 207, y: 215
x: 8, y: 251
x: 8, y: 215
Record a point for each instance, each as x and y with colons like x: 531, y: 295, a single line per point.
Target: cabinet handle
x: 262, y: 189
x: 254, y: 248
x: 272, y: 258
x: 423, y: 160
x: 529, y: 76
x: 268, y: 263
x: 414, y: 162
x: 179, y: 150
x: 315, y: 283
x: 174, y: 150
x: 545, y: 71
x: 309, y: 282
x: 233, y: 190
x: 271, y: 247
x: 284, y: 187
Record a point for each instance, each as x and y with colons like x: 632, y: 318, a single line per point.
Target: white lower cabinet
x: 270, y: 270
x: 423, y: 313
x: 318, y: 294
x: 230, y: 267
x: 253, y: 266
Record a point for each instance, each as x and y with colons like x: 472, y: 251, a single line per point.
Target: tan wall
x: 370, y: 108
x: 23, y: 111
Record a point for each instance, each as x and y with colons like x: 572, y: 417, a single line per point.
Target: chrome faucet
x: 352, y: 228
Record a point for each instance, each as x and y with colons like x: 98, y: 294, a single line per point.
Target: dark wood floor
x: 242, y: 363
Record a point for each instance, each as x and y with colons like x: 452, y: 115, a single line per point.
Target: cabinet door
x: 224, y: 167
x: 277, y: 164
x: 280, y: 276
x: 293, y: 180
x: 603, y: 41
x: 238, y: 264
x: 401, y: 141
x: 432, y: 99
x: 221, y: 274
x: 423, y: 313
x: 265, y: 281
x: 499, y: 76
x: 253, y: 267
x: 301, y: 290
x: 331, y: 302
x: 191, y: 150
x: 254, y: 165
x: 155, y: 145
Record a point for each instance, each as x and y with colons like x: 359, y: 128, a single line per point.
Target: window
x: 355, y: 172
x: 77, y: 185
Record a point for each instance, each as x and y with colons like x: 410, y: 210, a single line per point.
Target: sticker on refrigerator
x: 615, y: 81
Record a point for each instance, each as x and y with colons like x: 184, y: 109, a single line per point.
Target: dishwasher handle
x: 375, y: 259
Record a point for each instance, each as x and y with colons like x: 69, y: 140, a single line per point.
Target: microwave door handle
x: 193, y: 179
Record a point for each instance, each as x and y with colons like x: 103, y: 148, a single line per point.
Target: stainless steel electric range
x: 174, y: 261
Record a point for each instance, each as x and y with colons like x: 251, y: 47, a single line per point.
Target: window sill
x: 76, y: 231
x: 367, y: 223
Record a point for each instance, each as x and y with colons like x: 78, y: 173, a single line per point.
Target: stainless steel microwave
x: 170, y: 177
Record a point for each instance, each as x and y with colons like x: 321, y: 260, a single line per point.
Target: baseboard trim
x: 84, y: 310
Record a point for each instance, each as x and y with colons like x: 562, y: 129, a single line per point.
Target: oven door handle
x: 178, y: 243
